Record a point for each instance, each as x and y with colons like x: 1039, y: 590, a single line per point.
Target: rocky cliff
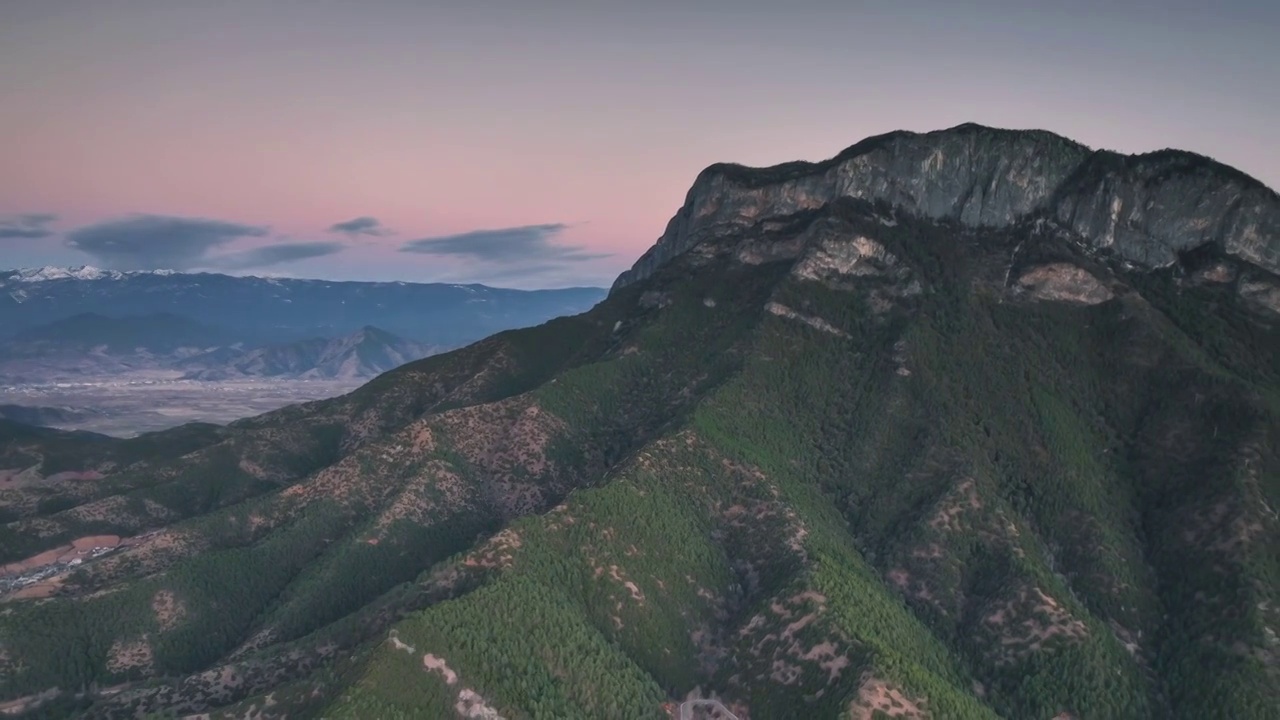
x: 1145, y: 208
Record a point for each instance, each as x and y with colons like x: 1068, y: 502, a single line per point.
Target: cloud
x: 144, y: 242
x: 363, y: 225
x: 528, y: 243
x: 28, y: 226
x: 274, y: 255
x: 534, y: 276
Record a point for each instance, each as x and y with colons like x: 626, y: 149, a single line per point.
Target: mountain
x: 90, y: 344
x: 35, y: 415
x: 362, y: 354
x: 94, y: 345
x: 1142, y: 209
x: 892, y: 435
x: 280, y: 309
x: 155, y: 333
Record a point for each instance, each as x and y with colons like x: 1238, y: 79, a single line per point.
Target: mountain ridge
x: 153, y: 331
x: 272, y: 309
x: 1084, y: 190
x: 365, y: 353
x: 49, y: 273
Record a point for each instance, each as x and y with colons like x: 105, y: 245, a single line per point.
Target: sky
x: 545, y: 143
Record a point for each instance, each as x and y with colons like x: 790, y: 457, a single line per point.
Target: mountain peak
x: 1146, y: 209
x: 51, y: 272
x: 78, y: 272
x: 361, y: 354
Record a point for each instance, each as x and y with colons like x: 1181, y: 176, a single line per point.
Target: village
x: 41, y: 575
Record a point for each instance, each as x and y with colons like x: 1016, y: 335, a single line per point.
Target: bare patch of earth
x: 879, y: 699
x: 1025, y: 621
x: 168, y: 608
x: 470, y: 704
x: 127, y: 655
x: 793, y: 636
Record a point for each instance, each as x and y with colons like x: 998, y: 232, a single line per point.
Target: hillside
x: 819, y: 454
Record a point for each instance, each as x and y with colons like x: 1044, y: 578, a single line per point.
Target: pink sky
x: 439, y: 121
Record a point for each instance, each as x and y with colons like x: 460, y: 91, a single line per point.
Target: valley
x: 131, y: 403
x: 125, y: 353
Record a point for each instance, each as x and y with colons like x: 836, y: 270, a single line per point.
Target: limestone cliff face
x: 1145, y: 208
x: 1151, y: 207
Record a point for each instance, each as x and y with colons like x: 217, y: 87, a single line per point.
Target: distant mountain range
x: 93, y: 345
x: 367, y: 352
x: 155, y: 333
x: 272, y: 310
x: 66, y: 323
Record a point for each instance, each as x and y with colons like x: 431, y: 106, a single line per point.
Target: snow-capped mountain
x: 83, y: 272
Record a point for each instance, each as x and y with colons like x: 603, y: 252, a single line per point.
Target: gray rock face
x: 1151, y: 207
x: 1145, y: 208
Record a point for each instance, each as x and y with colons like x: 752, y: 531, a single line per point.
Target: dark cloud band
x: 157, y: 241
x: 29, y: 226
x: 145, y: 242
x: 525, y: 244
x: 363, y: 225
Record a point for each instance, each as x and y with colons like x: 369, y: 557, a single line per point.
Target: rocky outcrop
x: 1146, y: 209
x: 1219, y: 272
x: 837, y: 255
x: 1261, y: 295
x: 844, y: 256
x: 814, y: 322
x: 654, y: 299
x: 1064, y: 282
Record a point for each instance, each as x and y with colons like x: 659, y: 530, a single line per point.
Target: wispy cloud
x: 274, y: 255
x: 525, y: 244
x: 28, y: 226
x: 364, y: 225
